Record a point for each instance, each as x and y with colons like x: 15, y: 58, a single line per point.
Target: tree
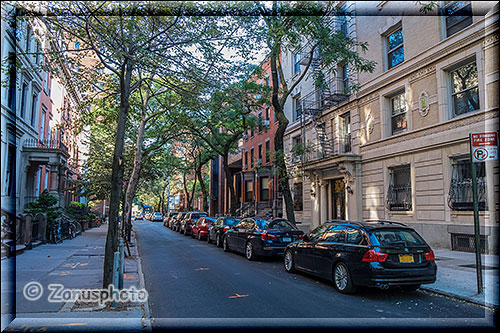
x: 127, y: 38
x: 302, y: 27
x: 222, y: 120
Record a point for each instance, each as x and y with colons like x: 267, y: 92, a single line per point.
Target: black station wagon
x: 373, y: 253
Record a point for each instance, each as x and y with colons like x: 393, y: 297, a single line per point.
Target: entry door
x: 338, y: 209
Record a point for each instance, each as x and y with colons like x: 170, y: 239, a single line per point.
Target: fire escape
x: 329, y: 91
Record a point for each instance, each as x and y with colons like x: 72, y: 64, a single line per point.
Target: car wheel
x: 342, y: 279
x: 410, y: 287
x: 181, y: 231
x: 289, y: 262
x: 249, y: 251
x: 218, y: 240
x: 225, y: 245
x: 199, y: 236
x: 208, y: 238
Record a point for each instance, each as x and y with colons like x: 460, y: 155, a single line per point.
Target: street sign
x: 484, y: 146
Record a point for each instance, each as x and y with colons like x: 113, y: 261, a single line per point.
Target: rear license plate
x: 406, y: 258
x: 286, y: 239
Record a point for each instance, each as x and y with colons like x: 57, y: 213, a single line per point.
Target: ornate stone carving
x: 423, y: 105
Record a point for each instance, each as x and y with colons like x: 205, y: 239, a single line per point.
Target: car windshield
x: 231, y: 221
x: 197, y: 216
x: 158, y: 214
x: 261, y: 224
x: 398, y: 237
x: 210, y: 220
x: 280, y: 225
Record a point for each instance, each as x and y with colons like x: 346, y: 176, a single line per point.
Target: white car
x: 157, y: 217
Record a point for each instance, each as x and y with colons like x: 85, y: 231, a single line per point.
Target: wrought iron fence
x: 399, y: 197
x: 46, y: 143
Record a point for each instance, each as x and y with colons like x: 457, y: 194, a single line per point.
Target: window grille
x: 399, y: 191
x: 460, y: 194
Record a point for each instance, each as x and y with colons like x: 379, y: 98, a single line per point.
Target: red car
x: 200, y: 228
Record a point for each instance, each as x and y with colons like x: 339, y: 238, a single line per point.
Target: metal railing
x: 45, y: 144
x: 334, y: 147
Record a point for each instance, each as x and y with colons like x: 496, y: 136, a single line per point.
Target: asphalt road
x: 193, y: 284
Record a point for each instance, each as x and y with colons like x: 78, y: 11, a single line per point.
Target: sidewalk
x: 457, y: 278
x: 75, y: 264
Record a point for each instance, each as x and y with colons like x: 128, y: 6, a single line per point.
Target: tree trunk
x: 229, y: 182
x: 117, y: 174
x: 204, y: 190
x: 134, y: 177
x: 284, y: 185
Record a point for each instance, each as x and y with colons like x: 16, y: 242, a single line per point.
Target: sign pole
x: 476, y: 221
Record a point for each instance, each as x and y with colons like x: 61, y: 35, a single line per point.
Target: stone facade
x: 430, y: 138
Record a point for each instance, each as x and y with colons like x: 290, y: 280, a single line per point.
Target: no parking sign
x: 484, y: 146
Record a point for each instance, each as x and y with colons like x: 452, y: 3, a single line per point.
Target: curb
x: 460, y: 297
x: 146, y: 318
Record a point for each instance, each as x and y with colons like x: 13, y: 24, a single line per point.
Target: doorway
x: 338, y: 193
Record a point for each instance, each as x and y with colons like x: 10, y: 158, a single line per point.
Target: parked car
x: 176, y: 223
x: 139, y: 216
x: 200, y: 228
x: 168, y: 217
x: 374, y: 253
x: 157, y: 217
x: 219, y: 227
x: 254, y: 236
x: 188, y: 221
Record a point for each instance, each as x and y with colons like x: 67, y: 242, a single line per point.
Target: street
x: 195, y: 284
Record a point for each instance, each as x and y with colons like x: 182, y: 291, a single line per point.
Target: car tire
x: 342, y: 279
x: 225, y: 245
x: 289, y: 262
x: 199, y: 236
x: 180, y: 230
x: 249, y: 251
x: 410, y: 287
x: 218, y: 242
x: 208, y: 238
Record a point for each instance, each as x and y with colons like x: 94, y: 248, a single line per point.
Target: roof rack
x: 384, y: 222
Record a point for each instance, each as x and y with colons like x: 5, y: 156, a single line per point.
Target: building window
x: 266, y: 110
x: 42, y: 123
x: 24, y: 96
x: 458, y: 15
x: 46, y: 183
x: 398, y: 113
x: 296, y: 63
x: 297, y: 110
x: 34, y: 108
x: 38, y: 54
x: 260, y: 153
x: 465, y: 89
x: 264, y: 189
x: 297, y: 149
x: 248, y: 191
x: 268, y: 151
x: 399, y: 192
x: 297, y: 197
x: 345, y: 122
x: 460, y: 195
x: 77, y: 45
x: 10, y: 174
x: 251, y: 157
x: 246, y: 159
x: 259, y: 117
x: 12, y: 82
x: 395, y: 53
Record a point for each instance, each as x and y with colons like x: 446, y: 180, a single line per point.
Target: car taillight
x: 226, y: 228
x: 266, y: 236
x: 374, y: 256
x: 301, y: 236
x: 429, y: 256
